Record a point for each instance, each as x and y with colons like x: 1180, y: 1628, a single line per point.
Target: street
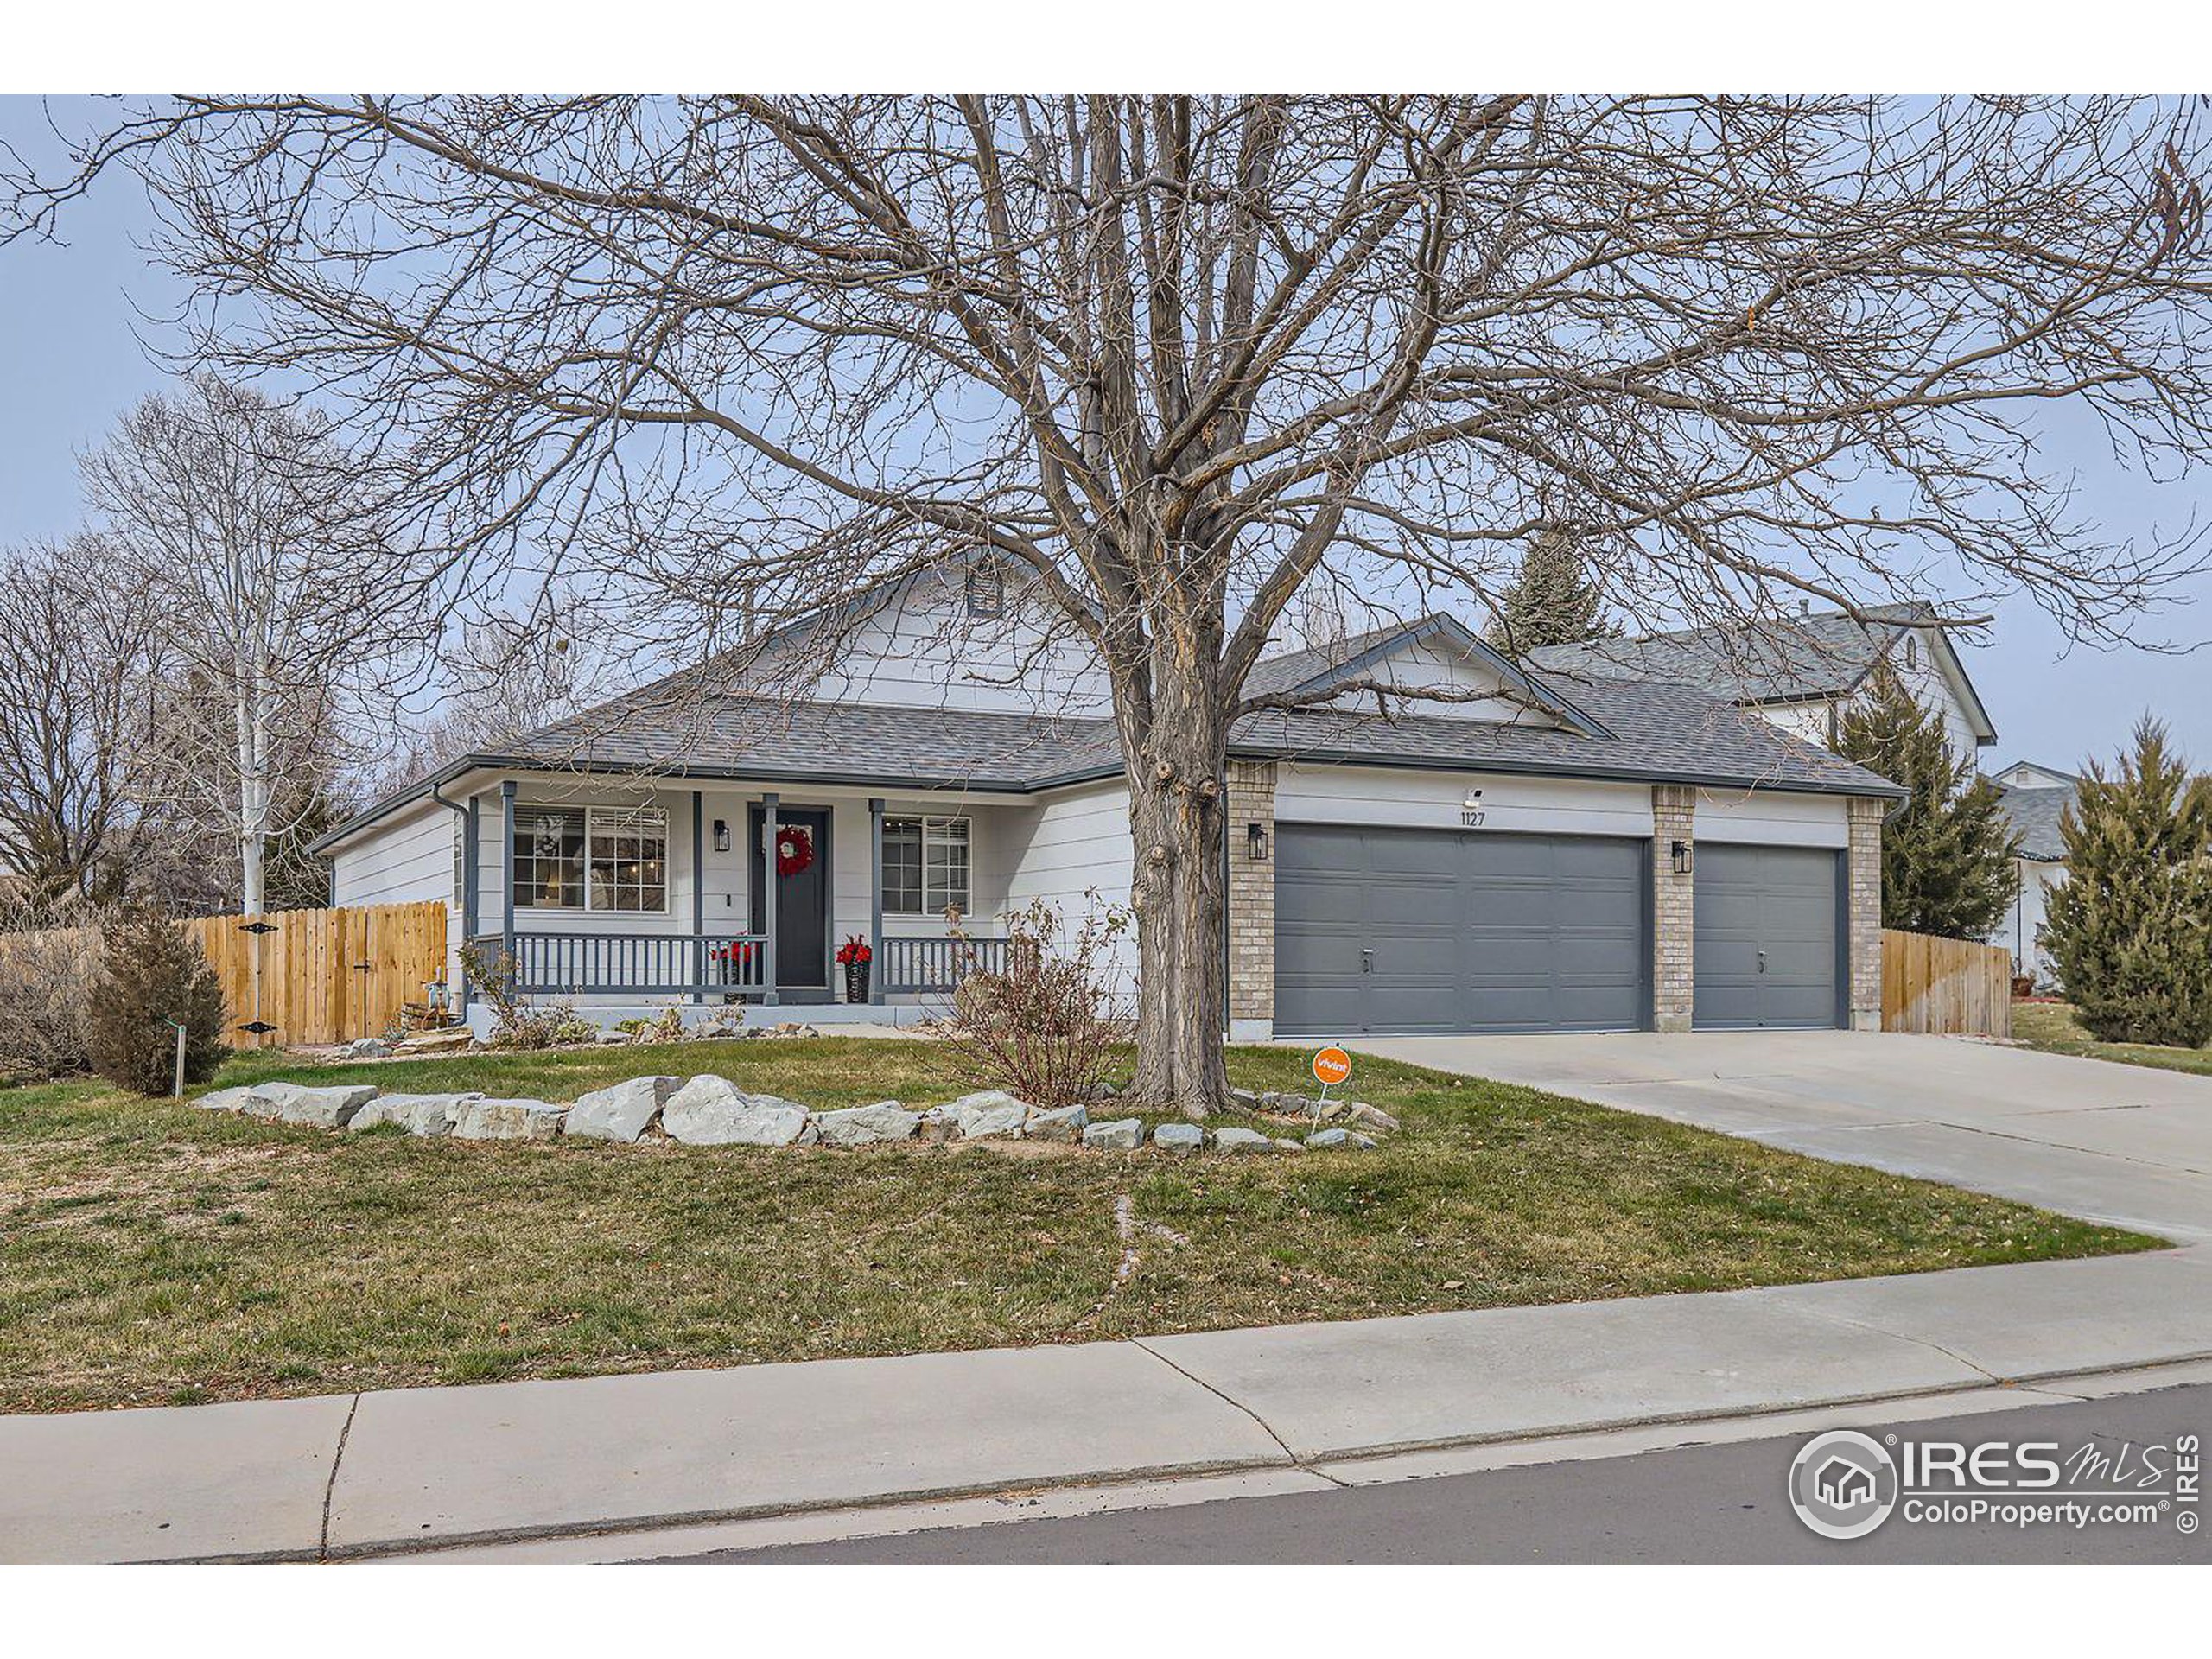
x: 1714, y: 1503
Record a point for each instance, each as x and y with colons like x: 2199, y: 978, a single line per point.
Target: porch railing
x: 919, y: 963
x: 635, y: 964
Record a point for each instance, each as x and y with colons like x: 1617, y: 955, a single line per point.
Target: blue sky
x: 76, y: 322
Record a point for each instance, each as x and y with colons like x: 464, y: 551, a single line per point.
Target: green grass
x: 152, y: 1253
x: 2051, y: 1027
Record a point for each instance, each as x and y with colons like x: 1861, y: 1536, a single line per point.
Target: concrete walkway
x: 388, y: 1472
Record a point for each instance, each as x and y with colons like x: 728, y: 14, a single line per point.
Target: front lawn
x: 2051, y: 1027
x: 155, y: 1253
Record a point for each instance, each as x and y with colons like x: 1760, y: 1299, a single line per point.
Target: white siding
x: 1067, y: 843
x: 924, y: 651
x: 404, y: 860
x: 1923, y: 676
x: 2021, y: 931
x: 1320, y: 794
x: 1772, y: 818
x: 1427, y: 666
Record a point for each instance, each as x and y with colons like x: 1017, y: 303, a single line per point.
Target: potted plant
x: 853, y: 957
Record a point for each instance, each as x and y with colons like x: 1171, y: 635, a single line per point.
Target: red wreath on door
x: 794, y: 851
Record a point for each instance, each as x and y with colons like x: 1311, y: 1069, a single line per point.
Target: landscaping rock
x: 436, y: 1042
x: 939, y: 1125
x: 321, y: 1109
x: 1103, y: 1091
x: 622, y: 1112
x: 1234, y: 1139
x: 1244, y: 1100
x: 710, y: 1111
x: 1122, y: 1135
x: 365, y: 1048
x: 1364, y: 1142
x: 424, y: 1115
x: 1282, y: 1145
x: 1358, y: 1111
x: 859, y: 1126
x: 1058, y: 1123
x: 1179, y: 1137
x: 508, y: 1119
x: 1321, y: 1140
x: 226, y: 1100
x: 990, y: 1113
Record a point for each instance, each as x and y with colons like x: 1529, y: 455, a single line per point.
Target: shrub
x: 153, y: 979
x: 2130, y: 929
x: 1043, y: 1027
x: 49, y: 962
x: 516, y: 1022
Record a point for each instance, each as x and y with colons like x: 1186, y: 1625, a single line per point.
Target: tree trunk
x: 1175, y: 770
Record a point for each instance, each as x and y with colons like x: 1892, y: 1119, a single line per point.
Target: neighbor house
x: 1801, y: 671
x: 1586, y: 852
x: 2034, y: 797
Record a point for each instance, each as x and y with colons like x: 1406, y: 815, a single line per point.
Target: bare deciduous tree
x: 80, y: 649
x: 1180, y: 355
x: 265, y: 545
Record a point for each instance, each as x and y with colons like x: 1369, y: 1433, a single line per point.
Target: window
x: 595, y: 858
x: 924, y: 865
x: 1912, y: 651
x: 986, y: 586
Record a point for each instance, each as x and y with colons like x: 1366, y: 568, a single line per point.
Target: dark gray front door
x: 1425, y: 929
x: 1764, y: 944
x: 802, y: 906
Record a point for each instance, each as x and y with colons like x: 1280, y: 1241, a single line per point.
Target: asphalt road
x: 1723, y: 1504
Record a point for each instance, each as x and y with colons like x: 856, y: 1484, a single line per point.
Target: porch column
x: 875, y: 898
x: 507, y: 870
x: 698, y: 896
x: 471, y: 858
x: 768, y: 805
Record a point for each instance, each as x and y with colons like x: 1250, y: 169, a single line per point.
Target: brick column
x: 1251, y: 899
x: 1673, y: 913
x: 1863, y: 911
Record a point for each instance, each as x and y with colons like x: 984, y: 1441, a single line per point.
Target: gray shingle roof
x: 1818, y: 655
x: 2035, y: 813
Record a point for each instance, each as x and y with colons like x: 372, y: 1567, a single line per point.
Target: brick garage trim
x: 1674, y: 908
x: 1252, y: 899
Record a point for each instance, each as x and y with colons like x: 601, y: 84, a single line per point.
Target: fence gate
x: 297, y: 977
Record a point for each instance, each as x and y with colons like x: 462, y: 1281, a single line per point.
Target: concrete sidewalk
x: 394, y: 1471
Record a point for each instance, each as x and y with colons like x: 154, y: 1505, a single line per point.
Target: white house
x: 2034, y: 797
x: 1611, y: 852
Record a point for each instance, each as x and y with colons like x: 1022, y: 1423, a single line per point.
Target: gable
x: 1472, y: 688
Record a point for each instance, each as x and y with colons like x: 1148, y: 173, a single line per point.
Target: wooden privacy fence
x: 322, y: 976
x: 1951, y: 987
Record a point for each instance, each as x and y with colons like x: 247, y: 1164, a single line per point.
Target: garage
x: 1408, y: 930
x: 1765, y: 939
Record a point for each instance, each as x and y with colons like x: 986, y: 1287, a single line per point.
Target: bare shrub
x: 1044, y: 1027
x: 515, y: 1021
x: 50, y: 961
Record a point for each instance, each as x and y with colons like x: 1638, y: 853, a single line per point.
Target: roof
x: 1636, y: 730
x: 1789, y: 659
x: 2035, y: 811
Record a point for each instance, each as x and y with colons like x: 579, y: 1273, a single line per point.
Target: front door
x: 802, y: 900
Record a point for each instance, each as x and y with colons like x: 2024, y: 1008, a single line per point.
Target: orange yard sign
x: 1332, y: 1066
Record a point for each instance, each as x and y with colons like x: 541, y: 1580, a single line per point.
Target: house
x: 1799, y: 671
x: 2034, y: 800
x: 1843, y: 1485
x: 1604, y: 852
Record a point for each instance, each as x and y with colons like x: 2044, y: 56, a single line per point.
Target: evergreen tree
x: 1550, y: 602
x: 153, y: 980
x: 1949, y: 860
x: 2130, y: 927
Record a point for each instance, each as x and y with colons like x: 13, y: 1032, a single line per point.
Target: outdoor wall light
x: 1256, y: 842
x: 721, y: 836
x: 1682, y: 857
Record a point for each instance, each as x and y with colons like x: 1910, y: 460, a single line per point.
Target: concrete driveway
x: 2116, y: 1143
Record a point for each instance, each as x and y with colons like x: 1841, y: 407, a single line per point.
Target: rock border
x: 710, y: 1110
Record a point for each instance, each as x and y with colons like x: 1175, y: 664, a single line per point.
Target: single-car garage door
x: 1423, y: 930
x: 1764, y: 944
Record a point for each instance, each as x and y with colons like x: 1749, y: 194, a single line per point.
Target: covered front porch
x: 631, y: 898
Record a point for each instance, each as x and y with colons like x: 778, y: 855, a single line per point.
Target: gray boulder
x: 321, y: 1109
x: 1373, y: 1117
x: 508, y: 1119
x: 1321, y: 1140
x: 1058, y: 1124
x: 1244, y: 1100
x: 990, y: 1113
x: 1364, y: 1142
x: 365, y: 1048
x: 1179, y: 1137
x: 939, y: 1126
x: 1122, y: 1135
x: 424, y: 1115
x: 859, y: 1126
x: 1284, y: 1144
x: 1234, y: 1139
x: 621, y: 1112
x: 710, y: 1111
x: 226, y: 1100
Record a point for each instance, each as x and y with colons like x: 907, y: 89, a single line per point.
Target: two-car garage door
x: 1420, y: 930
x: 1406, y: 930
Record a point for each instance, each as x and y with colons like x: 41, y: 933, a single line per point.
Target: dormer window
x: 986, y: 585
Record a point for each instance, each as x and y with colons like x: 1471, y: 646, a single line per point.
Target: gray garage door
x: 1765, y: 946
x: 1420, y: 930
